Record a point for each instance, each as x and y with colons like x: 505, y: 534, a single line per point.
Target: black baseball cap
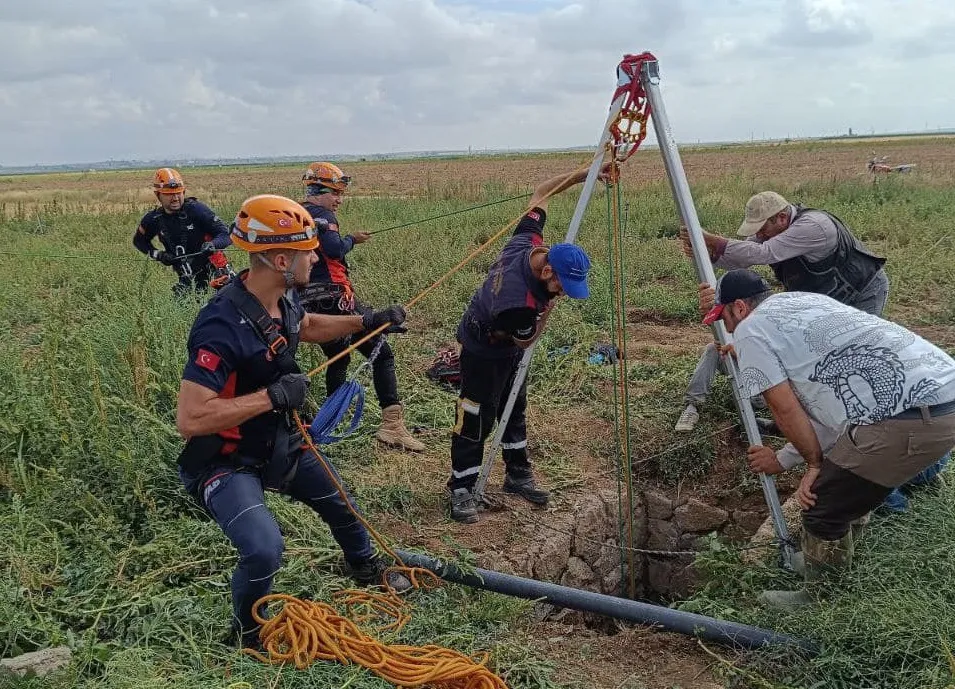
x: 735, y: 284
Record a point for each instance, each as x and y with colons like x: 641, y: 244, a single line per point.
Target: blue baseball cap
x: 570, y: 264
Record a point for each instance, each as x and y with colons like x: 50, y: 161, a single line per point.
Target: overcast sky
x: 102, y: 79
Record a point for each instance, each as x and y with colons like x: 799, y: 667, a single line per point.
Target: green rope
x: 621, y: 396
x: 621, y: 302
x: 447, y: 215
x: 27, y: 254
x: 611, y: 290
x: 102, y: 257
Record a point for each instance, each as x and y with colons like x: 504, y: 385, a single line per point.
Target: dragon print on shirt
x: 752, y: 378
x: 923, y: 393
x: 869, y: 381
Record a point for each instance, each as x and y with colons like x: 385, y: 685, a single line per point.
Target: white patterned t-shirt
x: 846, y: 366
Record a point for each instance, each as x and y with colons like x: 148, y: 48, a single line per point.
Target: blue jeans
x: 235, y: 498
x: 897, y: 500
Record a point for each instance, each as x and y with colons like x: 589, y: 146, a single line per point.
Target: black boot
x: 248, y: 639
x: 463, y: 506
x: 369, y: 573
x: 526, y: 488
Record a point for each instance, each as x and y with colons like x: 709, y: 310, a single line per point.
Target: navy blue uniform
x: 184, y: 233
x: 505, y: 308
x: 331, y: 266
x: 227, y: 356
x: 330, y: 276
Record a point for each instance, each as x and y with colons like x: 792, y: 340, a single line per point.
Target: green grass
x: 101, y: 549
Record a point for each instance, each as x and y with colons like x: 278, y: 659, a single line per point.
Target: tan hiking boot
x: 393, y: 432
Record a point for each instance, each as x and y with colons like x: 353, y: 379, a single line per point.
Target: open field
x: 103, y: 551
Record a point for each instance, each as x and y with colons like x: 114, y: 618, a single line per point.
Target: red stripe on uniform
x: 228, y: 392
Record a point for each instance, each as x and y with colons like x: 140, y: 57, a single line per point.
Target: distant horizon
x: 140, y: 163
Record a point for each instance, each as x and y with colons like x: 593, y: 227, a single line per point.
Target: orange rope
x: 302, y: 632
x: 441, y: 280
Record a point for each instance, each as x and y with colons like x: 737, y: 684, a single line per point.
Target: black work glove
x: 394, y: 314
x: 208, y: 248
x: 288, y: 392
x: 164, y: 257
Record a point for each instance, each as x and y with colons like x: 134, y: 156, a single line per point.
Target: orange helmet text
x: 168, y: 181
x: 326, y: 175
x: 268, y: 222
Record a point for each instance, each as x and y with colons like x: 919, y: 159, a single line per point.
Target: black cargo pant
x: 485, y: 386
x: 382, y: 368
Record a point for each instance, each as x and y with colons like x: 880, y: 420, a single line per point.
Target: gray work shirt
x: 812, y: 235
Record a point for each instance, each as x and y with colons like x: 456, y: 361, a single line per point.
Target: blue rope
x: 334, y: 410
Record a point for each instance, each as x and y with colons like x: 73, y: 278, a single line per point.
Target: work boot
x: 371, y: 572
x: 463, y: 506
x: 785, y: 601
x: 526, y: 488
x: 824, y: 556
x: 819, y: 558
x: 248, y: 639
x: 688, y: 419
x: 393, y: 432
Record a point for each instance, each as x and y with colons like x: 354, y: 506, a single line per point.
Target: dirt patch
x: 644, y: 316
x: 673, y: 337
x: 629, y: 659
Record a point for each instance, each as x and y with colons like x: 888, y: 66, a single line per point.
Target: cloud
x: 201, y: 78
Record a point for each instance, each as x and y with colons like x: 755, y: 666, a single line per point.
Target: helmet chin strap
x: 288, y: 274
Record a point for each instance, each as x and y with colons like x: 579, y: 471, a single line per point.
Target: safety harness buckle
x: 277, y: 344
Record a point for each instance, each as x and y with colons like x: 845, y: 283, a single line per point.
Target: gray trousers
x: 871, y: 300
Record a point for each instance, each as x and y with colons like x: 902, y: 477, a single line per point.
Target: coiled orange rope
x: 302, y: 632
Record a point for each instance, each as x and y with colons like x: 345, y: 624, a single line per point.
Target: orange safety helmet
x: 168, y: 181
x: 268, y: 222
x: 326, y: 175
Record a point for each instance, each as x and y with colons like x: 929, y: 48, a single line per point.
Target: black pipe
x: 708, y: 628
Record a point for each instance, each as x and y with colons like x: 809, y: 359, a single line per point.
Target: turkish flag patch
x: 533, y: 215
x: 207, y: 360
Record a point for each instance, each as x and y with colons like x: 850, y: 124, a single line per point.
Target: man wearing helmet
x: 190, y: 233
x: 239, y: 388
x: 330, y: 292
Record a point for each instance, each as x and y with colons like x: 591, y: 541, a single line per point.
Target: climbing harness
x: 222, y: 271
